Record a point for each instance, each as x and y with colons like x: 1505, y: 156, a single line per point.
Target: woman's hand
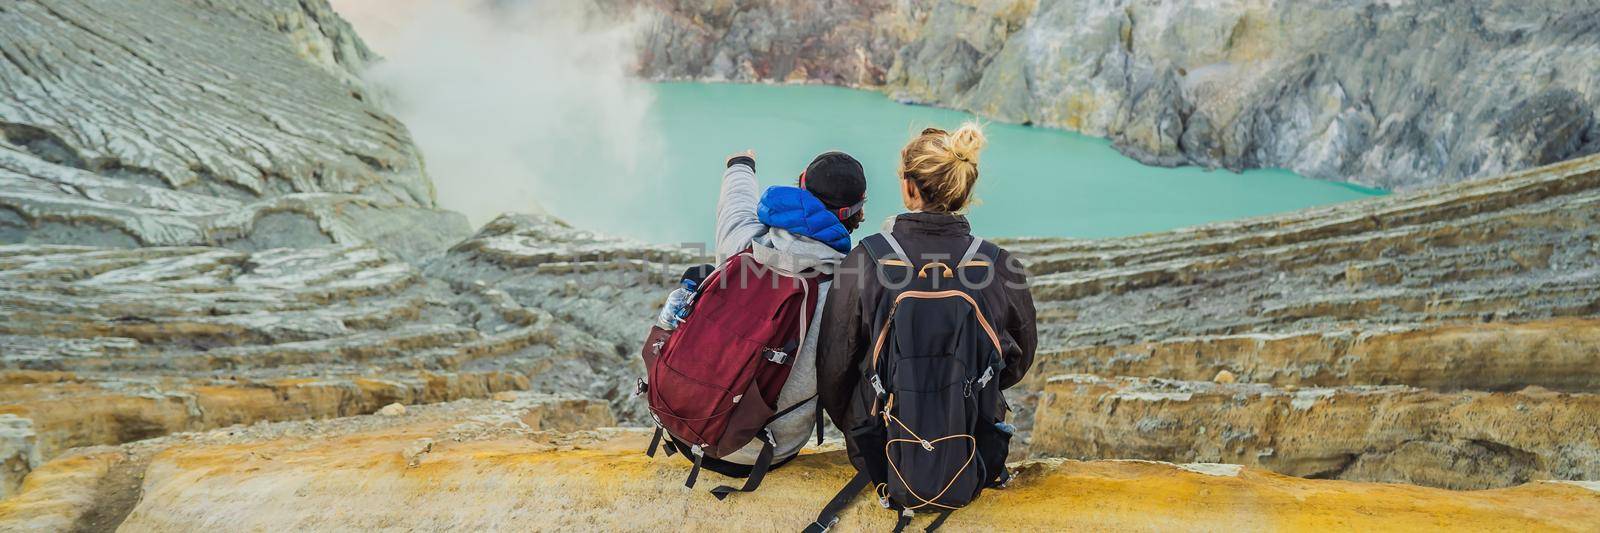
x: 747, y: 153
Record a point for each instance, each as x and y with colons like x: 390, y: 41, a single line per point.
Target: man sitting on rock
x: 787, y: 231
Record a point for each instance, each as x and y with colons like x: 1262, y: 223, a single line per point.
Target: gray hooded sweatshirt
x: 778, y: 249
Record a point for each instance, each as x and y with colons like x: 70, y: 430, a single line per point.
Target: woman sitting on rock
x: 925, y: 325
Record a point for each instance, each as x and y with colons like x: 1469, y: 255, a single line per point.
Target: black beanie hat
x: 837, y: 179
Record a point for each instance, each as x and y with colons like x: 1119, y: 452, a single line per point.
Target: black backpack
x: 927, y: 425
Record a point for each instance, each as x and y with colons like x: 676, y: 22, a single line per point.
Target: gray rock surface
x: 1393, y: 434
x: 167, y: 339
x: 1438, y: 289
x: 1482, y: 286
x: 107, y: 345
x: 829, y: 42
x: 602, y: 291
x: 1427, y: 302
x: 206, y: 219
x: 19, y: 452
x: 1396, y: 95
x: 182, y: 122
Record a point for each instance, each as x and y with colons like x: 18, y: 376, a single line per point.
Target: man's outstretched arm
x: 737, y: 224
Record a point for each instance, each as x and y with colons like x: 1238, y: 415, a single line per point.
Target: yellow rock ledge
x: 599, y: 480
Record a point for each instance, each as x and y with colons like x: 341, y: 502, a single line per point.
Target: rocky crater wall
x: 1398, y: 95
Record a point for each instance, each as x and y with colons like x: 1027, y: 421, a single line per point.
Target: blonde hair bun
x: 944, y: 166
x: 965, y: 143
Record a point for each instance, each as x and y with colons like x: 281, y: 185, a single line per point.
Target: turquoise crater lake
x: 1034, y: 181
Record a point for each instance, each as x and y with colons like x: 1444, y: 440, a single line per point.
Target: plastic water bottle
x: 677, y: 306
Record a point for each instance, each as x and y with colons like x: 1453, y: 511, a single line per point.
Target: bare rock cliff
x: 181, y: 122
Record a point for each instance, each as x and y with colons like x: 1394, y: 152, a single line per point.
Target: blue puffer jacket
x: 801, y: 213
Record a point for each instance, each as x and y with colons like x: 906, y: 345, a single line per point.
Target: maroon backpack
x: 713, y: 382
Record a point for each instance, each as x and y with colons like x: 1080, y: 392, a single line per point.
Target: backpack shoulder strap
x: 896, y: 246
x: 714, y: 274
x: 980, y: 253
x: 983, y: 254
x: 757, y: 472
x: 884, y: 248
x: 830, y: 513
x: 886, y: 252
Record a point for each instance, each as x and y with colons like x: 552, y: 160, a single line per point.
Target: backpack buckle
x: 776, y: 356
x: 988, y: 374
x: 877, y: 386
x: 640, y: 386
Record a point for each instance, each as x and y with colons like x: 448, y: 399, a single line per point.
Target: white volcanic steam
x: 514, y: 104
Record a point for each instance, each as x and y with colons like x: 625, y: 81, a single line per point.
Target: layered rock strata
x: 134, y: 124
x: 105, y: 346
x: 1489, y: 285
x: 602, y: 291
x: 1390, y: 94
x: 1482, y: 286
x: 1394, y: 434
x: 84, y: 412
x: 1441, y: 295
x: 211, y: 311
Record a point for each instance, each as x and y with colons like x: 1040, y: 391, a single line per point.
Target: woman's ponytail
x: 944, y: 166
